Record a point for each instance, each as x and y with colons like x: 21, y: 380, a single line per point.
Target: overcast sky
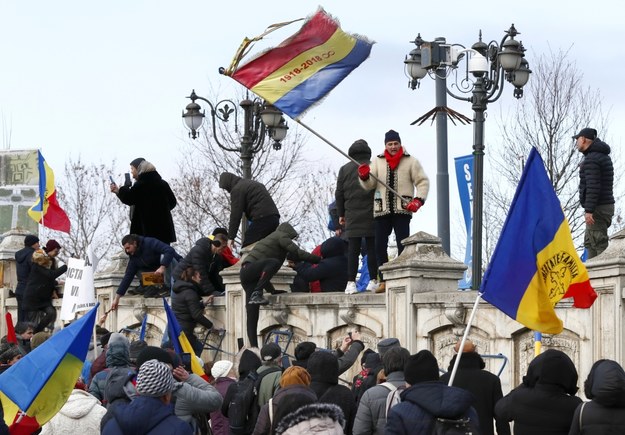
x: 108, y: 80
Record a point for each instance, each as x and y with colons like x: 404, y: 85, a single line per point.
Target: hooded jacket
x: 186, y: 303
x: 605, y: 414
x: 284, y: 396
x: 247, y: 197
x: 596, y: 177
x: 485, y: 386
x: 423, y: 402
x: 153, y: 201
x: 41, y: 282
x: 352, y: 201
x: 545, y: 402
x: 209, y: 264
x: 23, y: 264
x: 278, y: 244
x: 331, y: 272
x: 81, y: 410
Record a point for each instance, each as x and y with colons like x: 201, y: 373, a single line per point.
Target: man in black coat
x: 23, y: 259
x: 251, y: 198
x: 151, y: 201
x: 205, y: 257
x: 485, y: 386
x: 146, y: 254
x: 596, y: 179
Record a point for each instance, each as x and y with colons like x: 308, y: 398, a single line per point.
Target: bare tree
x: 98, y: 218
x: 556, y: 104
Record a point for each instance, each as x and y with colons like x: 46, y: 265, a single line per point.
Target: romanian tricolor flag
x: 180, y: 341
x: 47, y: 210
x: 535, y: 263
x: 33, y: 390
x: 305, y: 67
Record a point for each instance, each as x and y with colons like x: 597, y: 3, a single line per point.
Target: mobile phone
x: 349, y: 334
x: 111, y: 178
x: 240, y: 343
x: 186, y: 361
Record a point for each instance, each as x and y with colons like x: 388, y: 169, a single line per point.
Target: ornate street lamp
x: 260, y: 119
x: 487, y: 68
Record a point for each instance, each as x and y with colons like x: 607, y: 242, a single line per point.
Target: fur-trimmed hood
x: 324, y: 418
x: 42, y: 259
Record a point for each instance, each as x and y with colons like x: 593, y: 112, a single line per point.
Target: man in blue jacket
x: 146, y: 254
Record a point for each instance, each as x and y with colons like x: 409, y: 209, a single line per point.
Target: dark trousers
x: 195, y: 343
x: 256, y: 276
x: 260, y: 228
x: 21, y: 314
x: 354, y: 248
x: 42, y: 318
x: 400, y: 224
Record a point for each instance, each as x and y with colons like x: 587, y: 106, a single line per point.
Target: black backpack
x: 243, y: 408
x: 446, y: 426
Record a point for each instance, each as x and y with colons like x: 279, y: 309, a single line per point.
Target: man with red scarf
x: 404, y: 174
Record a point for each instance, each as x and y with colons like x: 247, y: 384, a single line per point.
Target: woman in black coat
x: 188, y: 307
x: 40, y: 290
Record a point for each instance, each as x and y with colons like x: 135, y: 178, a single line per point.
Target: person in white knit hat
x: 225, y: 374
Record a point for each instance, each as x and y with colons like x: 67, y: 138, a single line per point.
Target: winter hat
x: 588, y: 133
x: 270, y: 352
x: 386, y: 344
x: 295, y: 376
x: 248, y: 363
x: 220, y: 230
x: 360, y: 151
x: 154, y: 352
x: 373, y: 360
x: 8, y: 351
x: 421, y: 367
x: 104, y: 340
x: 221, y: 368
x: 154, y: 379
x: 469, y: 346
x: 304, y: 349
x: 30, y: 240
x: 52, y: 245
x: 365, y: 354
x: 136, y: 347
x: 136, y: 162
x: 38, y: 338
x: 391, y: 136
x: 323, y: 367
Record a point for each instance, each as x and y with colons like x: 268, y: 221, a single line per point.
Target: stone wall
x: 422, y: 307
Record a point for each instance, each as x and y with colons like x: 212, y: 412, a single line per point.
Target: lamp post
x: 260, y: 119
x: 487, y: 66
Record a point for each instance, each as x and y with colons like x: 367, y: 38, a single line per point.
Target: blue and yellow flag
x: 40, y: 383
x: 305, y: 67
x: 535, y: 263
x: 180, y: 341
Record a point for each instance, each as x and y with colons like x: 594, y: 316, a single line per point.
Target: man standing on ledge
x: 251, y: 198
x: 404, y: 174
x: 596, y: 179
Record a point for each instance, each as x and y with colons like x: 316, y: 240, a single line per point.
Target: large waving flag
x: 535, y: 263
x: 33, y: 390
x: 305, y: 67
x: 180, y: 341
x: 47, y: 210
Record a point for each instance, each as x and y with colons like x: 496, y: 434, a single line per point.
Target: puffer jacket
x: 247, y: 197
x: 596, y: 177
x: 186, y: 303
x: 23, y: 264
x: 371, y: 414
x: 353, y: 202
x: 278, y: 244
x: 202, y: 258
x: 331, y: 272
x: 81, y: 410
x: 605, y: 414
x: 196, y: 395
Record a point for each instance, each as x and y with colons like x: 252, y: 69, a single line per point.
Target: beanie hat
x: 295, y: 376
x: 38, y: 338
x: 154, y: 379
x: 30, y: 240
x: 136, y: 162
x: 324, y: 367
x: 270, y: 352
x: 365, y: 354
x: 386, y: 344
x: 421, y: 367
x: 154, y: 352
x: 248, y: 363
x: 104, y: 340
x: 52, y: 245
x: 221, y: 368
x: 304, y: 349
x: 373, y: 360
x: 391, y: 136
x: 136, y: 347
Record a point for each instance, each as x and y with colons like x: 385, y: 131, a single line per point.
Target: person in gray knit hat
x: 150, y: 411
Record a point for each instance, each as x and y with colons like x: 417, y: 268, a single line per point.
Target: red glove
x: 414, y: 205
x: 363, y: 171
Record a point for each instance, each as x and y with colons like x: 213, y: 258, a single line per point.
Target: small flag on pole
x: 535, y: 263
x: 303, y: 68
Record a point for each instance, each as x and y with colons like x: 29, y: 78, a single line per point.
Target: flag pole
x: 464, y: 339
x: 350, y: 158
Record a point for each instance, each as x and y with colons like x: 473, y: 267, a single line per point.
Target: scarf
x: 393, y: 161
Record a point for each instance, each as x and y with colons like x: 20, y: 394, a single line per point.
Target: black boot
x: 257, y: 299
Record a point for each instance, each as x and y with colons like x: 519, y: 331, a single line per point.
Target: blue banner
x: 464, y: 176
